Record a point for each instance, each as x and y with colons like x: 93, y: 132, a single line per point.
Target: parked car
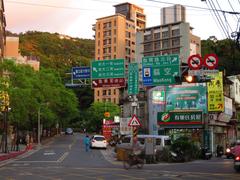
x: 98, y: 141
x: 69, y: 131
x: 160, y: 141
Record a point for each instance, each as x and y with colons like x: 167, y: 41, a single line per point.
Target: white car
x: 98, y: 141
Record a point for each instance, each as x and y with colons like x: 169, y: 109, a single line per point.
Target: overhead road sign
x: 81, y: 72
x: 134, y: 121
x: 104, y: 69
x: 195, y: 62
x: 112, y: 82
x: 160, y: 70
x: 211, y: 61
x: 133, y: 76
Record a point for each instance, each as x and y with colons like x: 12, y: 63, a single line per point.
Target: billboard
x: 186, y: 97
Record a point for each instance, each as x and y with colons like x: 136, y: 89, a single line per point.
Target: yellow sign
x: 107, y: 114
x: 4, y: 100
x: 215, y: 93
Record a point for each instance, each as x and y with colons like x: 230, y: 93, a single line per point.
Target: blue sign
x: 81, y: 73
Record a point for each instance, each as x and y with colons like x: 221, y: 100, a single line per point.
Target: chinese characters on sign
x: 81, y: 73
x: 160, y: 70
x: 103, y: 69
x: 179, y: 117
x: 215, y: 93
x: 116, y: 82
x: 133, y: 78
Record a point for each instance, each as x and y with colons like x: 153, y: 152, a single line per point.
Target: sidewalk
x: 22, y: 150
x: 13, y: 154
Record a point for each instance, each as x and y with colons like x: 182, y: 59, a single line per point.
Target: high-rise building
x: 2, y: 29
x: 173, y: 14
x: 115, y: 38
x: 174, y: 38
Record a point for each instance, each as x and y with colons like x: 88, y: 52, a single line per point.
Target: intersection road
x: 65, y: 158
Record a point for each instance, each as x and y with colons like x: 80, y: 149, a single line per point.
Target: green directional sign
x: 104, y: 69
x: 160, y: 70
x: 133, y: 78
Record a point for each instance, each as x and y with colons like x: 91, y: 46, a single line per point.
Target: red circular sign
x: 211, y: 61
x: 195, y: 62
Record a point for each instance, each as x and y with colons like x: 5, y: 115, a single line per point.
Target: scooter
x: 205, y: 153
x: 219, y: 151
x: 237, y: 163
x: 177, y: 156
x: 132, y: 160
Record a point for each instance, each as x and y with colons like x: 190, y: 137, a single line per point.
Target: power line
x: 49, y: 6
x: 195, y: 7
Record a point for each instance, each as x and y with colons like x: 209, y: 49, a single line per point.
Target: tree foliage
x: 227, y: 52
x: 95, y: 115
x: 30, y: 91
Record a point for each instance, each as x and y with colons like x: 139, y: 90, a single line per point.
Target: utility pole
x: 39, y: 128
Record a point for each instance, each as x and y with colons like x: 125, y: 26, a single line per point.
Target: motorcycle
x: 133, y: 159
x: 205, y: 153
x: 237, y: 163
x: 229, y: 153
x: 219, y: 151
x: 177, y: 156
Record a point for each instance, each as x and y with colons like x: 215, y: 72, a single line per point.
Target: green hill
x: 57, y: 51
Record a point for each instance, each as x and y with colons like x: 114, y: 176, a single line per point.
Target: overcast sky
x: 75, y: 17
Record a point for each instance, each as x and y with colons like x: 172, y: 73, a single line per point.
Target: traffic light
x: 192, y: 79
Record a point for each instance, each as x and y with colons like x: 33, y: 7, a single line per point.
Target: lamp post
x: 39, y: 128
x: 39, y: 123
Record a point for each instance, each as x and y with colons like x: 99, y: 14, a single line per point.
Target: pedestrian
x: 86, y: 142
x: 13, y: 141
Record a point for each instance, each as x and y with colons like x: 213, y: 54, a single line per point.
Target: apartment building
x: 174, y: 38
x: 115, y: 38
x: 2, y: 29
x: 11, y: 51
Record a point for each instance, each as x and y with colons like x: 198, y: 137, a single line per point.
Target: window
x: 115, y: 31
x: 115, y: 23
x: 114, y: 40
x: 98, y: 93
x: 104, y: 92
x: 115, y: 49
x: 114, y: 91
x: 158, y: 141
x: 141, y: 140
x: 165, y: 34
x: 176, y: 51
x: 157, y: 45
x: 176, y: 32
x: 165, y: 44
x: 147, y: 37
x: 98, y: 34
x: 147, y: 47
x: 99, y: 26
x: 109, y: 92
x: 175, y: 42
x: 156, y: 35
x: 126, y: 140
x: 98, y: 42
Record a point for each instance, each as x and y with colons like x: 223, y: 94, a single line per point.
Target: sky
x: 76, y: 17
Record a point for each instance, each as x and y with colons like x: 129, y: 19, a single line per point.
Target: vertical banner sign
x: 215, y: 93
x: 160, y: 70
x: 133, y: 78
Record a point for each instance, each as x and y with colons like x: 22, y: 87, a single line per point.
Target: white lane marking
x: 63, y: 157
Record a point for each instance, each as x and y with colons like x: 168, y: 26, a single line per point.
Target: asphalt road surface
x: 65, y: 158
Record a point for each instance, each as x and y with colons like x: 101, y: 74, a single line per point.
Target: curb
x: 11, y: 155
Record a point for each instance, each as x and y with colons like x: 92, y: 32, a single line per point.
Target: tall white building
x: 173, y: 14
